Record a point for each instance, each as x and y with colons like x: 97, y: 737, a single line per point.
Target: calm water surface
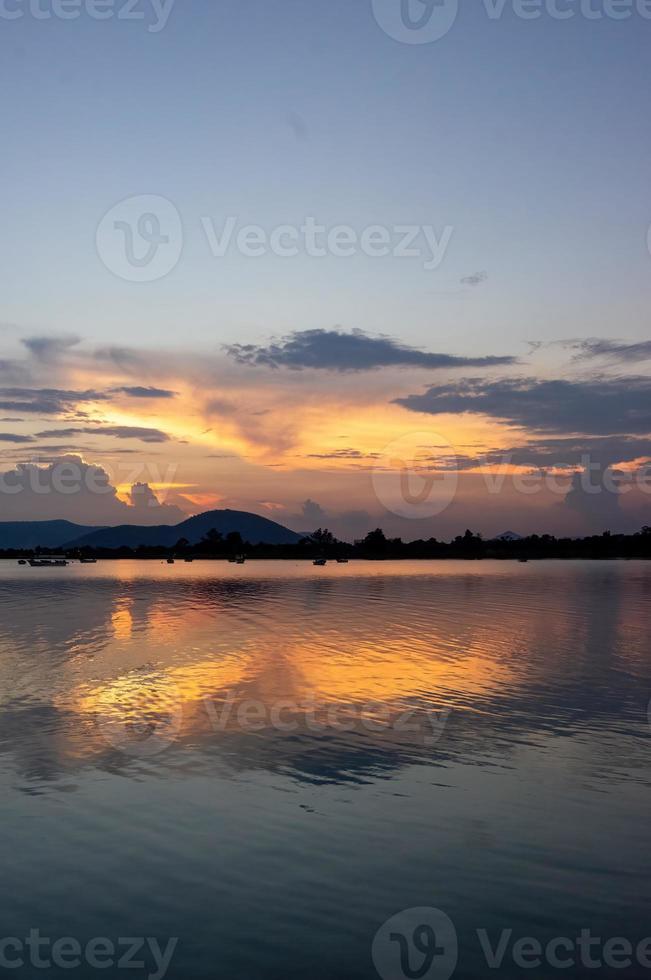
x: 269, y: 761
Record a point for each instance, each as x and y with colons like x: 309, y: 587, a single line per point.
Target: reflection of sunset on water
x: 122, y: 622
x: 216, y: 655
x: 152, y: 646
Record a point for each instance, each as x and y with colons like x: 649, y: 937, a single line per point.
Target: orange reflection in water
x: 391, y: 672
x: 122, y: 622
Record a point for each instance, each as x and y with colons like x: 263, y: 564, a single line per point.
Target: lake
x: 268, y: 763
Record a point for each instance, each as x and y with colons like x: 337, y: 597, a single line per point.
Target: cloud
x: 346, y: 525
x: 123, y: 357
x: 313, y: 513
x: 298, y: 127
x: 117, y: 431
x: 594, y: 504
x: 354, y: 454
x: 219, y: 406
x: 614, y: 350
x: 603, y: 406
x: 142, y: 498
x: 334, y: 350
x: 476, y: 279
x: 45, y: 401
x: 139, y: 392
x: 13, y: 372
x: 564, y: 452
x: 49, y: 348
x: 68, y: 488
x: 12, y: 437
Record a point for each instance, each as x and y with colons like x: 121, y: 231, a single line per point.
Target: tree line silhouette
x: 376, y: 546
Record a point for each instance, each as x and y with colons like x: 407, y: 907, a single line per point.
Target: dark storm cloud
x: 614, y: 350
x: 595, y: 407
x: 333, y: 350
x: 137, y: 391
x: 117, y: 431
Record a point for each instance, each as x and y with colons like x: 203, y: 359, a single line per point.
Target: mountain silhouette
x: 252, y: 527
x: 39, y: 534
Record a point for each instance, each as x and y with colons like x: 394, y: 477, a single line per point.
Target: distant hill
x: 508, y: 536
x: 35, y: 534
x: 252, y: 527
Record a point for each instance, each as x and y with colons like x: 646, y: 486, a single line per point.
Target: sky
x: 345, y: 264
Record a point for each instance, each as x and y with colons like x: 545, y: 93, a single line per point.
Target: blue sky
x: 527, y: 137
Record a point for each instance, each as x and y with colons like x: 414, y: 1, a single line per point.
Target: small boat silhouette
x: 320, y: 561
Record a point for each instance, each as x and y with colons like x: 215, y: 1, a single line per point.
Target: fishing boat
x: 342, y: 561
x: 88, y: 561
x: 170, y: 561
x: 320, y: 562
x: 48, y: 561
x: 21, y: 561
x: 240, y: 560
